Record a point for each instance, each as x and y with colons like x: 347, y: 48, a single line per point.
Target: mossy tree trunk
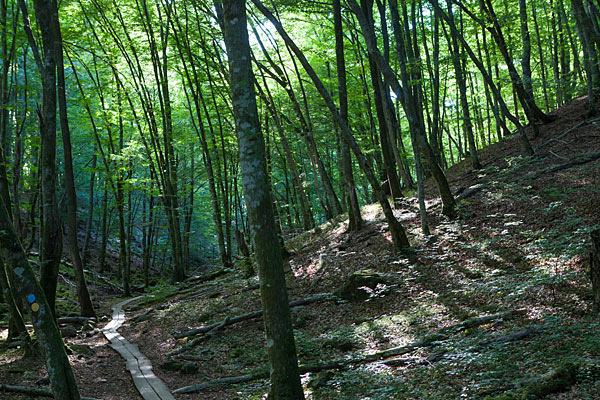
x: 285, y: 381
x: 25, y: 285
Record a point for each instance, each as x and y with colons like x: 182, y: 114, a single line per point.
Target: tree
x: 354, y: 218
x: 26, y: 286
x: 50, y: 227
x: 285, y: 381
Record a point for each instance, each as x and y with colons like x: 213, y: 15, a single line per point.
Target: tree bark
x: 21, y: 275
x: 354, y: 217
x: 459, y: 73
x: 85, y: 302
x: 285, y: 380
x: 50, y: 226
x: 595, y: 267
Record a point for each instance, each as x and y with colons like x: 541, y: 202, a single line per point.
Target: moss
x: 556, y: 381
x: 503, y: 396
x: 353, y: 288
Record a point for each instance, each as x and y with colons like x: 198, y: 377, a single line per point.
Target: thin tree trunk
x: 399, y: 238
x: 85, y: 301
x: 354, y: 217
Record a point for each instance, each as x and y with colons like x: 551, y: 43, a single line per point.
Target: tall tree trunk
x: 354, y: 217
x: 90, y: 216
x: 50, y: 226
x: 460, y: 76
x: 285, y: 380
x: 487, y: 77
x: 307, y: 216
x: 448, y: 203
x: 541, y: 57
x: 85, y: 302
x: 526, y: 56
x: 590, y: 54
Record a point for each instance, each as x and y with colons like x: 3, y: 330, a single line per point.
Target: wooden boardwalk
x: 149, y: 386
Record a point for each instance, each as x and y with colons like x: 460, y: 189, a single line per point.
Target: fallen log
x: 255, y: 314
x: 427, y: 341
x: 565, y: 133
x: 470, y: 191
x: 75, y: 320
x: 29, y: 391
x: 579, y: 161
x: 208, y: 277
x: 513, y: 337
x: 199, y: 339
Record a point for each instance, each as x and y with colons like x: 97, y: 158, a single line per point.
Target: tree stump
x: 595, y: 267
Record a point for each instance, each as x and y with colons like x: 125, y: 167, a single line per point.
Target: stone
x: 354, y: 287
x: 68, y: 332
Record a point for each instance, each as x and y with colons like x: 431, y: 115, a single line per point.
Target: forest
x: 299, y: 199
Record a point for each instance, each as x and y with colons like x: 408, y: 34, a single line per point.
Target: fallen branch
x: 208, y: 277
x: 513, y: 337
x: 429, y: 340
x: 38, y: 392
x: 199, y: 339
x: 75, y: 320
x: 582, y: 160
x: 565, y: 133
x: 470, y: 191
x: 255, y: 314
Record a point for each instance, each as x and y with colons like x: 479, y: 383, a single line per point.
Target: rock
x: 354, y: 287
x: 340, y: 343
x: 558, y: 380
x: 88, y: 326
x: 189, y: 368
x: 180, y: 366
x: 320, y: 379
x: 82, y: 349
x: 68, y: 332
x: 44, y: 381
x: 143, y: 317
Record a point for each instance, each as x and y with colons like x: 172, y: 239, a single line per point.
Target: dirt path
x: 149, y: 386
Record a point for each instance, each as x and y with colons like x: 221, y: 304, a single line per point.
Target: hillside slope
x: 517, y: 252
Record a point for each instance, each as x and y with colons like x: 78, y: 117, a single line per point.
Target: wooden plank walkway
x: 149, y: 386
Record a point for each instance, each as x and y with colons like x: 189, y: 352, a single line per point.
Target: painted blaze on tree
x: 285, y: 381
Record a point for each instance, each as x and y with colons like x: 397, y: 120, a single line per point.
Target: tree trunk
x: 85, y: 302
x: 22, y: 277
x: 50, y: 226
x: 459, y: 73
x: 397, y: 232
x: 595, y: 267
x: 354, y: 217
x: 487, y: 77
x: 90, y: 217
x: 285, y: 381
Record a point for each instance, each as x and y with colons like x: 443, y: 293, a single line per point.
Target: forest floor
x: 519, y: 245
